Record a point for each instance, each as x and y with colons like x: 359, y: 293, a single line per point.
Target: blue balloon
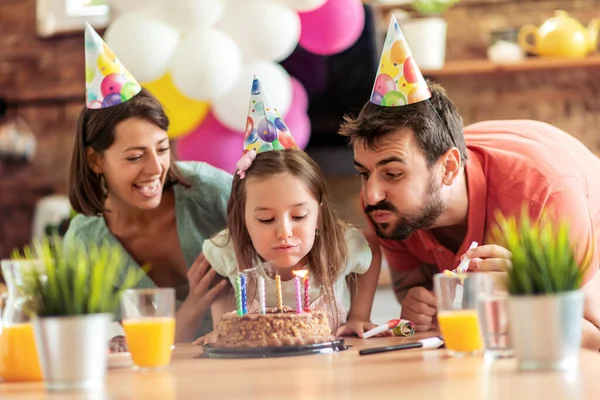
x: 112, y: 100
x: 280, y: 124
x: 252, y: 137
x: 255, y: 87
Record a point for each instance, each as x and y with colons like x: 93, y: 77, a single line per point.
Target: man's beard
x: 405, y: 225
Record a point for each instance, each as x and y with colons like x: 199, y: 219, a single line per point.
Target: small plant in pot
x: 545, y: 304
x: 72, y: 297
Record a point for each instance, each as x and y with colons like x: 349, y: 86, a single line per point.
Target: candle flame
x: 301, y: 273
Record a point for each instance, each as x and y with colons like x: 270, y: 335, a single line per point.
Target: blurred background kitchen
x: 498, y: 59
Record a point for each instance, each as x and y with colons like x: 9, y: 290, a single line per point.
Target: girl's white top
x: 221, y: 256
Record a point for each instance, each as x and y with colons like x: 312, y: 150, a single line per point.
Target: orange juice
x: 150, y: 340
x: 460, y: 329
x: 18, y: 355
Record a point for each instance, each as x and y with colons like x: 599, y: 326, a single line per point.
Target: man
x: 430, y: 188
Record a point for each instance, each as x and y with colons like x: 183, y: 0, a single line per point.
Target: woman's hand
x: 203, y: 290
x: 118, y: 344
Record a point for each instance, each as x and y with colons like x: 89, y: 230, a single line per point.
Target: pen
x: 430, y: 343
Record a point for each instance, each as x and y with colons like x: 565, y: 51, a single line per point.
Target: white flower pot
x: 546, y: 330
x: 73, y: 351
x: 426, y: 38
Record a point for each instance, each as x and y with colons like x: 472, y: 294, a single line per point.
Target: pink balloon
x: 112, y: 83
x: 299, y: 124
x: 299, y: 95
x: 213, y: 143
x: 332, y: 28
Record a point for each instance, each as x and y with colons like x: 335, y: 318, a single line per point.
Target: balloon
x: 376, y: 98
x: 298, y: 123
x: 129, y: 90
x: 206, y: 65
x: 263, y: 30
x: 112, y: 84
x: 299, y: 95
x: 399, y: 52
x: 184, y: 113
x: 266, y: 130
x: 188, y: 15
x: 386, y: 66
x: 384, y: 83
x: 112, y: 100
x: 213, y: 143
x: 144, y: 44
x: 393, y: 98
x: 310, y: 69
x: 302, y: 5
x: 411, y: 71
x: 232, y: 108
x: 332, y: 28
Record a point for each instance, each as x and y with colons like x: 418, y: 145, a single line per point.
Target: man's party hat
x: 399, y: 81
x: 265, y: 128
x: 107, y: 81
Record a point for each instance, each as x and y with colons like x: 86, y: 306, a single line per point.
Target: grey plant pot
x: 546, y: 330
x: 73, y: 350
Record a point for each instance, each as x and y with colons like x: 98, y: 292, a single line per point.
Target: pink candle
x: 304, y: 275
x: 306, y: 295
x: 298, y: 296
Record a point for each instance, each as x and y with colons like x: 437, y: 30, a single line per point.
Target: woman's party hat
x: 265, y: 129
x: 399, y: 81
x: 107, y: 81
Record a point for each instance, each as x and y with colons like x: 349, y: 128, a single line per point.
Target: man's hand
x: 419, y: 306
x: 489, y: 257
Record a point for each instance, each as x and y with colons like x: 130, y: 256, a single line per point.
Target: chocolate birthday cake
x: 273, y: 329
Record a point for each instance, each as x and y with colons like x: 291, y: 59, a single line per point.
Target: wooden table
x: 407, y: 374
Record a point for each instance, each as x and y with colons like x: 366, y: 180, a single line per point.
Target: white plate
x: 119, y: 360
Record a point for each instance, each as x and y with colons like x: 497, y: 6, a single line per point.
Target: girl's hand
x: 209, y: 338
x: 358, y: 327
x: 203, y: 289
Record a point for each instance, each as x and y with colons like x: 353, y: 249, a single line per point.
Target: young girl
x: 280, y: 215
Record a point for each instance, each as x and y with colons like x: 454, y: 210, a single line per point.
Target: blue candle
x: 243, y: 284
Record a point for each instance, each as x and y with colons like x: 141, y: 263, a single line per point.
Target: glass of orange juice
x: 149, y: 324
x: 457, y: 314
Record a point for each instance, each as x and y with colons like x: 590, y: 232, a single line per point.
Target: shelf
x: 484, y: 66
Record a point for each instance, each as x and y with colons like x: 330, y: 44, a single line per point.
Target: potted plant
x: 545, y: 303
x: 72, y: 297
x: 425, y: 32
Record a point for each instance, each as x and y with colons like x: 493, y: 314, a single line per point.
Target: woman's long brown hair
x: 328, y: 255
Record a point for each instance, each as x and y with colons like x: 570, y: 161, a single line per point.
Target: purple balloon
x: 376, y: 98
x: 112, y: 100
x: 266, y: 130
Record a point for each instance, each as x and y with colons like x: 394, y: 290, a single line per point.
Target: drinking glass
x: 457, y: 314
x: 491, y: 296
x: 149, y: 324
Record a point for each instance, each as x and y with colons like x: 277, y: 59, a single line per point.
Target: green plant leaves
x: 84, y: 281
x: 543, y: 258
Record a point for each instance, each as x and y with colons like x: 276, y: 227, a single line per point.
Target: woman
x: 127, y: 190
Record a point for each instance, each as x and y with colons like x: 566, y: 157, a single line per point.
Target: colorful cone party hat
x: 265, y: 129
x: 107, y: 81
x: 399, y: 81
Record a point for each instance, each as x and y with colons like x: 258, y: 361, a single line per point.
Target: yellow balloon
x: 184, y: 113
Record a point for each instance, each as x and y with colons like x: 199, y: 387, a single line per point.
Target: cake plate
x: 209, y: 351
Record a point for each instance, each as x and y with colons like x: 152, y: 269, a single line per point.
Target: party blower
x: 400, y: 327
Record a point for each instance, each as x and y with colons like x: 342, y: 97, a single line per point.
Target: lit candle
x: 238, y: 295
x: 302, y: 274
x: 261, y: 295
x: 244, y: 298
x: 278, y: 292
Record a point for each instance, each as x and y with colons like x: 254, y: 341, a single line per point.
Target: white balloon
x: 189, y: 15
x: 303, y: 5
x: 264, y: 30
x: 206, y: 65
x: 232, y: 108
x: 143, y: 44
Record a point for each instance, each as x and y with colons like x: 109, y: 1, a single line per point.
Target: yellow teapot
x: 560, y: 36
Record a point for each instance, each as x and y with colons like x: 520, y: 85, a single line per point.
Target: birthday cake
x: 273, y: 329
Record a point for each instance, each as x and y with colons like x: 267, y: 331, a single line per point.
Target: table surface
x: 406, y: 374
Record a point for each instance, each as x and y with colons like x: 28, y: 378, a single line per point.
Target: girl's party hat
x: 265, y: 128
x: 107, y: 81
x: 399, y: 81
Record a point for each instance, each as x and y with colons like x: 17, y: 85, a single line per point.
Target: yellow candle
x: 278, y: 290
